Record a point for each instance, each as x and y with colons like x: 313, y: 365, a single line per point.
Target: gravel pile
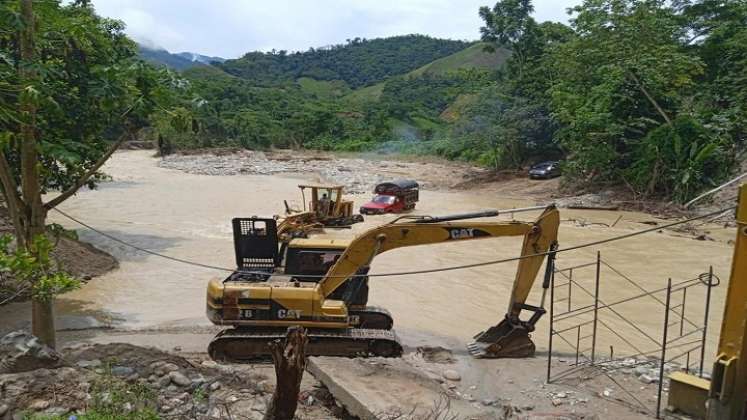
x: 358, y: 176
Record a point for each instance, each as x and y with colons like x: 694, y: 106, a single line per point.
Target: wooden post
x: 290, y: 363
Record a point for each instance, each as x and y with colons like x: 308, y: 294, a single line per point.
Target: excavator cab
x: 259, y: 254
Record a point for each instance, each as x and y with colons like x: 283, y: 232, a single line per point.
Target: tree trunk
x: 42, y: 320
x: 290, y: 363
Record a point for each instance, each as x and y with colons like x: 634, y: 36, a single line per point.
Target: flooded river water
x: 188, y: 216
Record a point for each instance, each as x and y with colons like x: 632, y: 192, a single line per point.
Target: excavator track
x: 250, y: 345
x: 372, y: 317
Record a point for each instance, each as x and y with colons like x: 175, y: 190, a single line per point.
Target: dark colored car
x: 545, y: 170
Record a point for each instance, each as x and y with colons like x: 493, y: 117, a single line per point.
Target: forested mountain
x: 199, y: 58
x: 180, y: 61
x: 359, y: 62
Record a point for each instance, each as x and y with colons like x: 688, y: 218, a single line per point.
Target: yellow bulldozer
x: 326, y: 206
x: 322, y: 284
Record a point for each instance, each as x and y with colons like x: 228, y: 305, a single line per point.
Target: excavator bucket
x: 511, y: 338
x: 505, y: 340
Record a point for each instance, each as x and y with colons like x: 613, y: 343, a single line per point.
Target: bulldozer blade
x: 505, y: 340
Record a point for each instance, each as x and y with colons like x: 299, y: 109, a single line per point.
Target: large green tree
x: 624, y: 96
x: 71, y: 93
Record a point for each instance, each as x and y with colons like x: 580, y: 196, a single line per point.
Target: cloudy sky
x: 229, y: 28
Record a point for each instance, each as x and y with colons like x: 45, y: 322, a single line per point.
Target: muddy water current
x: 188, y: 216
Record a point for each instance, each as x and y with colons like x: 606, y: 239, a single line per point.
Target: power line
x: 402, y: 273
x: 147, y: 251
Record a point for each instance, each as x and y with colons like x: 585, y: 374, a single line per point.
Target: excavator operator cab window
x: 310, y: 262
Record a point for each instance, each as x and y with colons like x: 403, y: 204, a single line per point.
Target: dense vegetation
x: 359, y: 62
x: 648, y: 94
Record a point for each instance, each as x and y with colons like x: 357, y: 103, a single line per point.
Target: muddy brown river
x: 188, y: 216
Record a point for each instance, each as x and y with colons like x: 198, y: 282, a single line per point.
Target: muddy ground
x: 182, y: 206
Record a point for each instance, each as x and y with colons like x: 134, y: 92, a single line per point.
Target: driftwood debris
x: 289, y: 358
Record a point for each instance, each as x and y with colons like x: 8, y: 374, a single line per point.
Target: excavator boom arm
x: 538, y: 237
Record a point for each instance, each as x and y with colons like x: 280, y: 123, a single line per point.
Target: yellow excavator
x: 322, y: 284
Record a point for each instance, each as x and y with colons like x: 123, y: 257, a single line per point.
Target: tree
x: 70, y: 83
x: 509, y: 25
x: 625, y: 76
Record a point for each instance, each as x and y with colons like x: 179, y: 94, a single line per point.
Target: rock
x: 122, y: 371
x: 177, y: 348
x: 170, y: 367
x: 647, y: 379
x: 209, y: 364
x: 263, y: 387
x: 433, y: 376
x: 165, y: 408
x: 38, y: 405
x: 232, y: 399
x: 106, y: 397
x: 556, y: 402
x: 163, y: 382
x: 172, y: 388
x: 215, y: 386
x: 127, y: 407
x: 607, y: 392
x: 179, y: 378
x: 22, y: 352
x: 468, y: 397
x: 641, y: 370
x: 198, y: 380
x: 561, y: 395
x: 527, y: 407
x: 3, y: 409
x: 488, y: 402
x: 452, y: 375
x: 56, y: 411
x: 89, y: 363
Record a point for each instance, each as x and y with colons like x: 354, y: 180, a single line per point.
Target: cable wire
x: 404, y: 273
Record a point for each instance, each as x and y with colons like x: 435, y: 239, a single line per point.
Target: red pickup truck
x: 392, y: 197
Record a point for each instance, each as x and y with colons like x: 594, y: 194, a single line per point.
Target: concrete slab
x: 379, y: 388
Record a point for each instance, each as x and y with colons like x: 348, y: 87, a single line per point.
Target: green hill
x: 472, y: 57
x: 359, y: 62
x: 323, y: 89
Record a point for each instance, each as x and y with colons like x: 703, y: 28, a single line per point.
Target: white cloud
x: 230, y: 28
